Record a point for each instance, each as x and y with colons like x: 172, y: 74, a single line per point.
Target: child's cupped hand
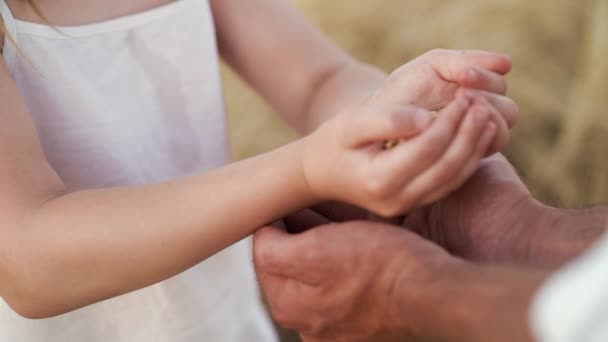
x: 432, y: 80
x: 346, y: 159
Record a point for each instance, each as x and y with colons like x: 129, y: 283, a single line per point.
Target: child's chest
x: 80, y: 12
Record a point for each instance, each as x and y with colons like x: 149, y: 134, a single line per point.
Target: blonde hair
x: 6, y: 36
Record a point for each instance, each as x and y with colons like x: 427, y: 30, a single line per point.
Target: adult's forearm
x: 560, y: 235
x: 475, y: 303
x: 87, y: 246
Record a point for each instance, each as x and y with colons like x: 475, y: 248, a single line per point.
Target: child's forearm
x: 87, y: 246
x: 296, y: 68
x: 346, y: 86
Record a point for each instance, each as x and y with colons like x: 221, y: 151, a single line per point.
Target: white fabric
x: 573, y: 305
x: 132, y: 101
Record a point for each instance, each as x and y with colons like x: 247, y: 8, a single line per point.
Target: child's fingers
x: 482, y: 147
x: 506, y: 107
x: 457, y: 156
x: 409, y: 159
x: 378, y: 124
x: 502, y: 135
x: 452, y: 65
x: 483, y: 79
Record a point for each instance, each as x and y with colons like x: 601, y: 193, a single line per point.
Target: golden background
x: 560, y: 77
x: 559, y: 80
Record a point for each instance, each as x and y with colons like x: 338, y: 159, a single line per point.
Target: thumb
x: 279, y: 253
x: 381, y: 124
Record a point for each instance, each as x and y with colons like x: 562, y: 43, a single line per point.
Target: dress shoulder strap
x: 9, y: 35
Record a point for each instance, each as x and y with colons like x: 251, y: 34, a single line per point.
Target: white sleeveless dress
x: 131, y: 101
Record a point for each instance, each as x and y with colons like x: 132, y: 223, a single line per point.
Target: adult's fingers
x: 453, y: 65
x: 277, y: 252
x: 457, y: 156
x: 285, y: 298
x: 380, y: 123
x: 340, y: 212
x: 507, y: 108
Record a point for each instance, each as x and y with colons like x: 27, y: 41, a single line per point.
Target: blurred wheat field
x: 560, y: 77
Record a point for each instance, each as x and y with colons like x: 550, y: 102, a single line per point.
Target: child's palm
x: 345, y: 159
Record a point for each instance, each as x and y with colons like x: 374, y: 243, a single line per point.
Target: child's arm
x: 62, y: 250
x: 308, y: 79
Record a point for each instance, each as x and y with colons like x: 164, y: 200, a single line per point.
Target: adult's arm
x: 368, y: 281
x: 558, y: 236
x: 494, y: 218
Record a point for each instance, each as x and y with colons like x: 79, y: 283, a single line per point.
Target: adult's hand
x: 366, y: 281
x: 495, y: 218
x: 336, y: 282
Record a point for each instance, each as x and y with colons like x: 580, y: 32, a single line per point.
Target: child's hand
x: 432, y: 80
x: 345, y: 159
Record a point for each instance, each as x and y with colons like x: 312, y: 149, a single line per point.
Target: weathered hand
x: 432, y: 80
x: 494, y: 218
x: 337, y: 282
x: 491, y: 218
x: 367, y: 281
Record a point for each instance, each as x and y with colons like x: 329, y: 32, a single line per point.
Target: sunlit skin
x: 358, y: 107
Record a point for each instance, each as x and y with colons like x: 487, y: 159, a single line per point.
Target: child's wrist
x: 304, y: 184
